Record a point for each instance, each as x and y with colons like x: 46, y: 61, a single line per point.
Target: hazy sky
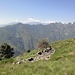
x: 37, y: 10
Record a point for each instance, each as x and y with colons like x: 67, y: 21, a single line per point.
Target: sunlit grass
x: 62, y: 62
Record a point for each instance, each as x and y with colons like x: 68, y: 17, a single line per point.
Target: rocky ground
x: 42, y: 55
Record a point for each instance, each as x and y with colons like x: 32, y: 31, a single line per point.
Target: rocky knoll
x: 42, y: 55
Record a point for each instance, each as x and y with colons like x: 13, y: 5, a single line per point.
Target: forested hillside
x: 24, y: 36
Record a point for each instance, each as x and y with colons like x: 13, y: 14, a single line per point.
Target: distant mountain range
x: 2, y: 25
x: 25, y: 36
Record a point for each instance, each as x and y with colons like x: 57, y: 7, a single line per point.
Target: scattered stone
x: 30, y: 59
x: 42, y: 55
x: 13, y: 63
x: 23, y: 60
x: 52, y: 51
x: 19, y: 62
x: 47, y: 56
x: 39, y: 53
x: 47, y: 50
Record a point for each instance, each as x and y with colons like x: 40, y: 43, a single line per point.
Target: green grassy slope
x: 62, y: 62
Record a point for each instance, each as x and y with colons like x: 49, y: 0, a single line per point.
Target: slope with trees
x: 24, y: 36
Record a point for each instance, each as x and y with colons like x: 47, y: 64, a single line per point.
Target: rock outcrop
x: 42, y: 55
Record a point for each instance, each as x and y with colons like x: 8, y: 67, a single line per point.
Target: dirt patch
x: 71, y: 53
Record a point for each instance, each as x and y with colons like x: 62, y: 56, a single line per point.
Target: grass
x: 61, y: 63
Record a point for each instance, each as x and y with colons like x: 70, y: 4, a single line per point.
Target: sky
x: 37, y: 10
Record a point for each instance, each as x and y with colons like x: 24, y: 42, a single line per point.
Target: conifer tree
x: 6, y: 51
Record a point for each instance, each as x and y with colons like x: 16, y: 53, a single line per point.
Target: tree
x: 6, y: 51
x: 42, y: 44
x: 28, y: 51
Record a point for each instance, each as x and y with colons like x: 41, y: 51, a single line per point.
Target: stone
x: 30, y: 59
x: 39, y: 53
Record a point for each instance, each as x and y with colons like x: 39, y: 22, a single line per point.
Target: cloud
x: 17, y: 20
x: 35, y: 20
x: 31, y: 20
x: 48, y: 21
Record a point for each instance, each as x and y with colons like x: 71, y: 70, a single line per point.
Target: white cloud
x: 31, y: 20
x: 35, y: 20
x: 17, y: 20
x: 48, y: 21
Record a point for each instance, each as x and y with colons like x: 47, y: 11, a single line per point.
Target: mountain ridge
x: 24, y: 36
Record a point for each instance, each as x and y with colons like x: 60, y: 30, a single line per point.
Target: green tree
x: 6, y: 51
x: 28, y: 51
x: 42, y: 44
